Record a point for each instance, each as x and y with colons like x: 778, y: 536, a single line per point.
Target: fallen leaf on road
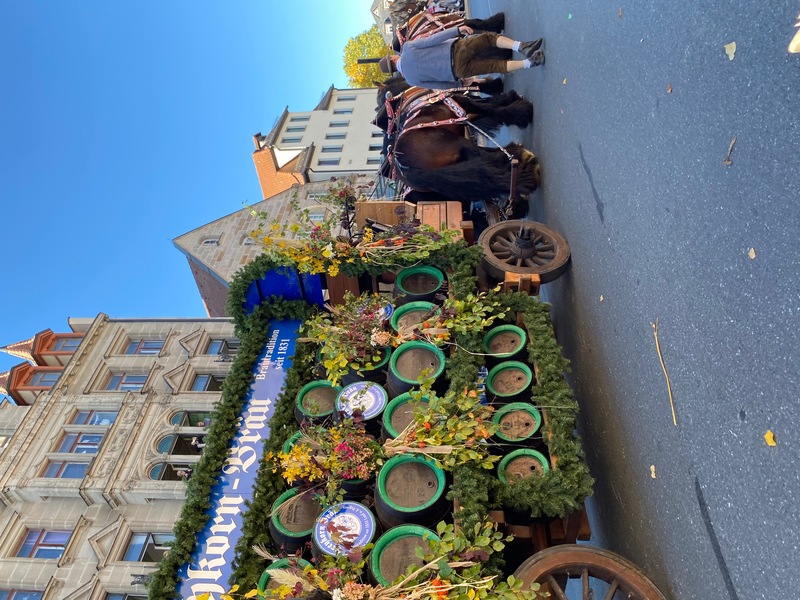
x: 564, y: 82
x: 601, y: 297
x: 730, y: 50
x: 752, y: 253
x: 727, y: 160
x: 669, y: 88
x: 619, y: 14
x: 569, y: 16
x: 653, y: 471
x: 769, y: 437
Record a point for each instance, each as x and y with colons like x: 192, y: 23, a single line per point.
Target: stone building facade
x: 92, y: 474
x: 217, y: 250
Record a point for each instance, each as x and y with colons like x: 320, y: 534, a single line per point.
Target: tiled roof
x: 23, y: 349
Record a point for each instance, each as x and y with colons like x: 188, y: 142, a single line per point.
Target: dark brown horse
x: 432, y: 149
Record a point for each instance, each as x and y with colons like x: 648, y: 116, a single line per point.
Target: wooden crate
x: 445, y: 215
x: 388, y: 212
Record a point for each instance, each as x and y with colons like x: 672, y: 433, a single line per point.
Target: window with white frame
x: 94, y: 417
x: 44, y: 378
x: 206, y: 382
x: 296, y: 129
x: 6, y: 594
x: 65, y: 345
x: 65, y: 469
x: 328, y: 162
x: 338, y: 123
x: 223, y: 346
x: 343, y: 111
x: 297, y: 118
x: 336, y: 136
x: 80, y: 443
x: 144, y: 347
x: 148, y: 547
x: 345, y: 98
x: 331, y: 149
x: 125, y: 382
x: 43, y: 543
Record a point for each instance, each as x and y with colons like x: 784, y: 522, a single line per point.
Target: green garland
x: 194, y: 518
x: 560, y: 490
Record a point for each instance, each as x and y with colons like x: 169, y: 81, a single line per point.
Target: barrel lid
x: 348, y: 522
x: 367, y: 396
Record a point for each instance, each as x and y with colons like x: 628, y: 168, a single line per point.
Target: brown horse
x: 431, y: 148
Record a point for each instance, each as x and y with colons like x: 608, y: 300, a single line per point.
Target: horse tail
x: 484, y: 175
x: 496, y: 23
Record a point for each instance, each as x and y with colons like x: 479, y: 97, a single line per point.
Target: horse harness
x: 407, y: 106
x: 424, y: 24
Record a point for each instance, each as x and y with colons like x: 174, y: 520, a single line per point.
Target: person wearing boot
x: 445, y: 60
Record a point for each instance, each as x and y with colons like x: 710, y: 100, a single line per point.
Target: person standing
x: 446, y: 60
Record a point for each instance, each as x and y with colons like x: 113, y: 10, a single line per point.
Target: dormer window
x: 210, y: 241
x: 67, y: 344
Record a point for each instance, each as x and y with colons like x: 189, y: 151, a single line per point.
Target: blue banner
x: 211, y: 565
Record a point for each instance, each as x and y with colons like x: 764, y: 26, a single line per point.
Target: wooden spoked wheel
x: 525, y: 248
x: 596, y: 573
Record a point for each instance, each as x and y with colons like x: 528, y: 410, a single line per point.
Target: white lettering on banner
x: 213, y: 565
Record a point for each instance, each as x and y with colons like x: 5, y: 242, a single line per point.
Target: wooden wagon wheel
x: 525, y: 248
x: 602, y: 574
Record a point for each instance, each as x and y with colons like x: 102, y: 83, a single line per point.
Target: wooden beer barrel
x: 396, y: 550
x: 315, y: 401
x: 520, y: 464
x: 509, y: 381
x: 410, y: 489
x: 399, y: 414
x: 293, y: 518
x: 415, y: 284
x: 290, y: 563
x: 505, y: 342
x: 517, y: 423
x: 409, y: 361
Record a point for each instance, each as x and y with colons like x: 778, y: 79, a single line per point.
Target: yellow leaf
x: 564, y: 82
x: 235, y: 588
x: 730, y: 50
x: 205, y: 596
x: 251, y: 594
x: 769, y: 437
x: 653, y: 471
x: 752, y: 253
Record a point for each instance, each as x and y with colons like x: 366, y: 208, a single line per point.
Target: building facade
x: 217, y: 250
x: 335, y: 139
x: 101, y: 430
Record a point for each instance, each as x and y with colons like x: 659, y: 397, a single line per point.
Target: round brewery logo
x: 342, y: 526
x: 366, y: 396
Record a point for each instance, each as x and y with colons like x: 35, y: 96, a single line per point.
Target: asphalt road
x: 635, y: 111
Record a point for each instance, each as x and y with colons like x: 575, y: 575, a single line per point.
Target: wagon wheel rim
x: 524, y: 248
x: 599, y: 574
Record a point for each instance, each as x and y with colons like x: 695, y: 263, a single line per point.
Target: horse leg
x: 504, y: 109
x: 529, y: 174
x: 496, y: 23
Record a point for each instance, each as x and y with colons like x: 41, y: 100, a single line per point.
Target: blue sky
x: 125, y: 124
